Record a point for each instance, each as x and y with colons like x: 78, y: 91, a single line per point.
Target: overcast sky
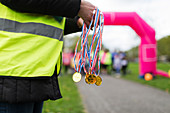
x: 155, y: 12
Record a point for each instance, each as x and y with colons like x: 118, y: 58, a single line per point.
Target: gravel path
x: 122, y: 96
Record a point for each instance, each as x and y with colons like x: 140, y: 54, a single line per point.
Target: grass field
x: 71, y: 101
x: 159, y: 82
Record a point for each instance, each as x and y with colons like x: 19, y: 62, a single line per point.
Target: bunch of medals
x: 89, y: 54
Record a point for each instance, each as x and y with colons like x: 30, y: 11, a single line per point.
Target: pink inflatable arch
x: 147, y: 48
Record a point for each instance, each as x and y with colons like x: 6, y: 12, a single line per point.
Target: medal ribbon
x: 86, y: 52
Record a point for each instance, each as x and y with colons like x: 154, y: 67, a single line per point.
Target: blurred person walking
x: 117, y: 64
x: 66, y: 57
x: 124, y: 64
x: 106, y: 61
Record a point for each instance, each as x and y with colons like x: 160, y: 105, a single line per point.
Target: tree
x: 163, y: 46
x: 163, y: 49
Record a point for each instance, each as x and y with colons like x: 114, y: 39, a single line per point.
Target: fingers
x: 86, y: 12
x: 80, y: 22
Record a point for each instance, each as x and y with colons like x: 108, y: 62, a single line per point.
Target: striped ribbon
x: 87, y: 56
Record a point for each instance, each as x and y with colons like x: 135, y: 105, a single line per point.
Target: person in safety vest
x: 31, y: 40
x: 106, y: 61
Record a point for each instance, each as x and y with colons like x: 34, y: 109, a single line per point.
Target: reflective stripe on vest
x: 31, y: 28
x: 30, y: 44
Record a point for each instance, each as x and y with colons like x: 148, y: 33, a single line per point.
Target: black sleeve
x: 71, y: 26
x: 64, y: 8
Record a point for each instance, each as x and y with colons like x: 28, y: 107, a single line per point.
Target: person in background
x: 122, y: 55
x: 117, y: 64
x: 106, y: 61
x: 72, y: 61
x: 113, y: 56
x: 124, y: 64
x: 66, y: 57
x: 31, y: 36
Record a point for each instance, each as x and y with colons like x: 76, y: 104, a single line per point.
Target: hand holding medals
x: 86, y: 54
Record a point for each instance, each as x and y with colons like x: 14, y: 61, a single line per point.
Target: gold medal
x: 98, y: 81
x: 90, y: 78
x: 76, y: 77
x: 86, y: 79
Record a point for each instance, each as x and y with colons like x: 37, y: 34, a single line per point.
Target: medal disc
x: 86, y: 79
x: 76, y: 77
x: 98, y: 81
x: 91, y: 78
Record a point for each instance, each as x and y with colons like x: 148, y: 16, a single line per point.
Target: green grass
x: 71, y: 101
x: 159, y: 82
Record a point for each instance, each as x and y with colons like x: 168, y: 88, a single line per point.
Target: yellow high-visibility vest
x: 30, y: 44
